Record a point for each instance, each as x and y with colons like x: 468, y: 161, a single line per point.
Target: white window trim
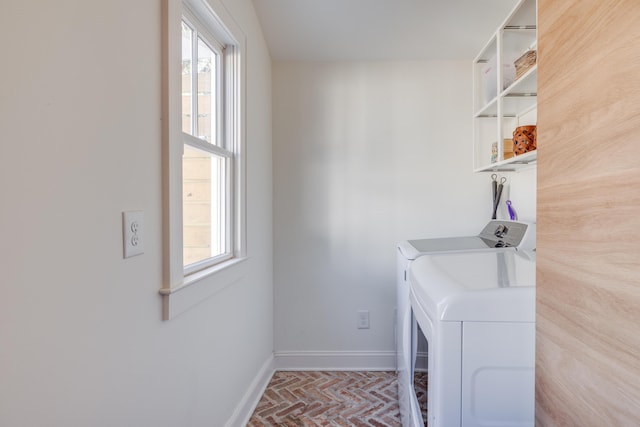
x: 180, y: 292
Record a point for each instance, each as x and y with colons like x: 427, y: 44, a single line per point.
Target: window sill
x: 199, y: 286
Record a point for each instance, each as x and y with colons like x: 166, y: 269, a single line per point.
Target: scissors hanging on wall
x: 496, y: 187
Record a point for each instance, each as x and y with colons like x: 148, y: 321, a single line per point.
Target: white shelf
x: 516, y: 106
x: 527, y: 84
x: 515, y: 102
x: 514, y: 164
x: 489, y: 110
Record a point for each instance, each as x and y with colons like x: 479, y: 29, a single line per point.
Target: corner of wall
x: 250, y: 400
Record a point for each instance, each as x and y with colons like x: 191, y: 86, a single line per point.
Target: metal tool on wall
x: 497, y: 192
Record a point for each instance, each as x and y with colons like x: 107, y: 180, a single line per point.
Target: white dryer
x: 497, y: 235
x: 476, y: 310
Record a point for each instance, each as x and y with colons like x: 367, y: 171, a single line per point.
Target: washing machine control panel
x: 499, y: 234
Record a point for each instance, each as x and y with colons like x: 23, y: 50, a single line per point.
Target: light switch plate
x: 132, y: 233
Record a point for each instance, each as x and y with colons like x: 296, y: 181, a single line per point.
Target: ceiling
x: 356, y: 30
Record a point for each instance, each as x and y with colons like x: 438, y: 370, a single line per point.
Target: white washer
x: 477, y: 313
x: 497, y: 235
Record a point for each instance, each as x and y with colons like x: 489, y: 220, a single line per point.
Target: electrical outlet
x: 132, y: 228
x: 363, y: 319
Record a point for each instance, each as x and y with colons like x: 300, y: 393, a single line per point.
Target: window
x: 203, y: 115
x: 208, y: 154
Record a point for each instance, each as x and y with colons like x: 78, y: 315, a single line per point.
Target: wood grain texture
x: 588, y: 286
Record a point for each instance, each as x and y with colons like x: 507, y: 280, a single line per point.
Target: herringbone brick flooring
x: 307, y: 399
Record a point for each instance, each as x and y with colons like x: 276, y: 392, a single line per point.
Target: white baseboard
x: 247, y: 405
x: 335, y: 361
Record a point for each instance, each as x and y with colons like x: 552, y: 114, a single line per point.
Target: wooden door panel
x: 588, y: 283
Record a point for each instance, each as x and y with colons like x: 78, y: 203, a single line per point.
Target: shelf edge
x: 514, y: 164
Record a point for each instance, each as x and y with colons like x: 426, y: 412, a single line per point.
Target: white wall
x: 81, y: 337
x: 366, y: 154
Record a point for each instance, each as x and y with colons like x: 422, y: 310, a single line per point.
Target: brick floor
x: 307, y: 399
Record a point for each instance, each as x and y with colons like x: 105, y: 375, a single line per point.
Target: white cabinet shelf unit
x: 502, y: 102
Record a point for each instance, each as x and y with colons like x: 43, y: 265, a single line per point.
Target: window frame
x: 183, y: 287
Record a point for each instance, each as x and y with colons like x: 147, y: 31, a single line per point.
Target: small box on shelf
x: 489, y: 78
x: 507, y: 149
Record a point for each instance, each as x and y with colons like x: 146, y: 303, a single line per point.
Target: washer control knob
x: 501, y: 231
